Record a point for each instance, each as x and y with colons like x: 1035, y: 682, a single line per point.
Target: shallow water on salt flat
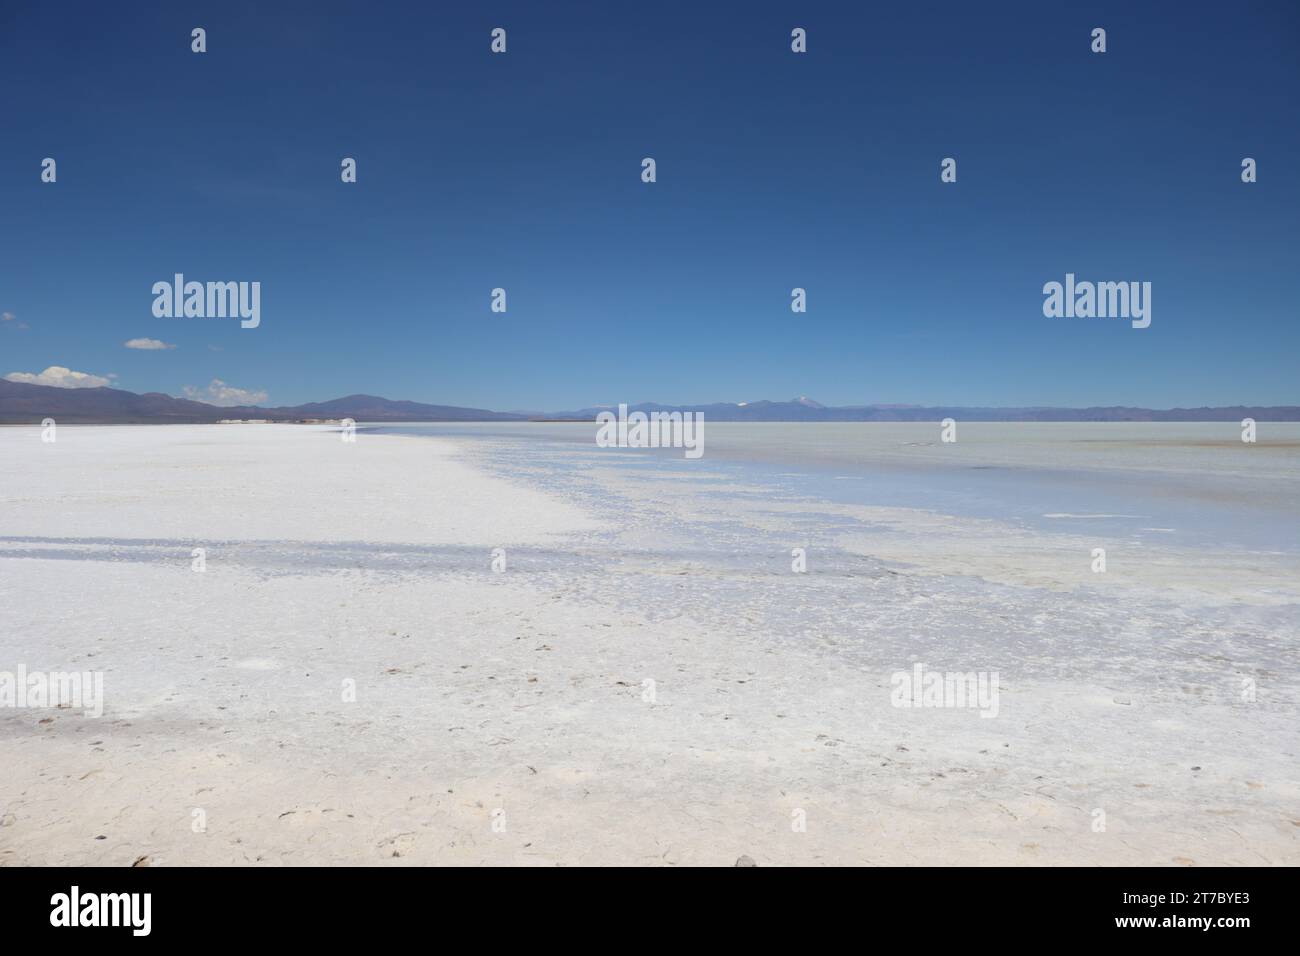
x: 1179, y: 484
x: 710, y: 540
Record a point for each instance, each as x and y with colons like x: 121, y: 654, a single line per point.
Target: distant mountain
x: 371, y: 408
x: 806, y: 410
x: 28, y: 404
x: 20, y: 402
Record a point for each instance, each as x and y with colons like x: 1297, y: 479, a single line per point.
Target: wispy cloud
x: 147, y: 345
x: 12, y: 320
x: 59, y: 377
x: 219, y: 393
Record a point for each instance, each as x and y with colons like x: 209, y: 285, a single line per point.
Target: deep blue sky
x: 775, y: 170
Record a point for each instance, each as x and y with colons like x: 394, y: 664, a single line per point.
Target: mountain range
x: 22, y: 403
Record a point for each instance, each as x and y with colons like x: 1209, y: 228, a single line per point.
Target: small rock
x: 746, y: 861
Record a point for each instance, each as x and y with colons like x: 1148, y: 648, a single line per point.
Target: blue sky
x: 775, y: 170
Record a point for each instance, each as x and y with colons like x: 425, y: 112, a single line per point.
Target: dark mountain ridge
x: 21, y: 403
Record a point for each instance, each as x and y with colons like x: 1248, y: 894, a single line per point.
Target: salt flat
x: 646, y: 682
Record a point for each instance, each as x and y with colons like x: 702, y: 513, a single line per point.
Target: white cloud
x: 10, y: 317
x: 219, y: 393
x: 59, y: 377
x: 147, y: 345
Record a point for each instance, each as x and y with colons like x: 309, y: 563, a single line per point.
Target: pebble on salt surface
x: 746, y: 861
